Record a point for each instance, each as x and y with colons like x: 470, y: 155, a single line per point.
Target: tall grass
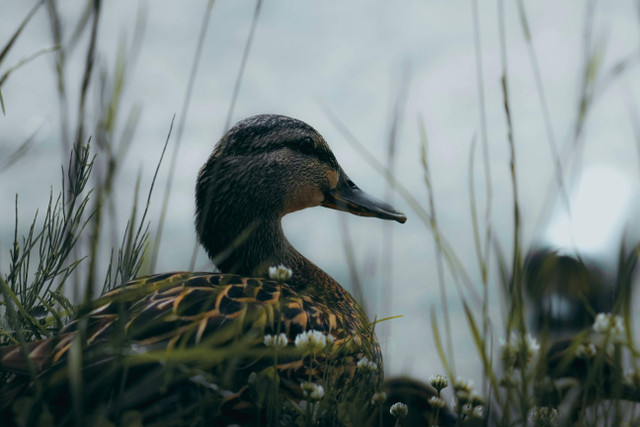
x: 67, y: 249
x: 54, y: 271
x: 526, y: 379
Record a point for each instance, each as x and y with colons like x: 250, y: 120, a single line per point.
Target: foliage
x: 526, y: 380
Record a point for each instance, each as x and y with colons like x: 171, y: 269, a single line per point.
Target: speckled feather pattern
x: 189, y: 306
x: 262, y: 169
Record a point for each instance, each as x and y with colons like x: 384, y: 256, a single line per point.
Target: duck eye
x: 306, y: 145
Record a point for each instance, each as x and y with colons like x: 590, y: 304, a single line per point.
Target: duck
x: 127, y: 341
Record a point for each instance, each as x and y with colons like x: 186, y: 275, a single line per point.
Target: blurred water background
x: 365, y: 61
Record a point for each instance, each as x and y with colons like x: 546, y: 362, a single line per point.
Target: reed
x: 57, y: 268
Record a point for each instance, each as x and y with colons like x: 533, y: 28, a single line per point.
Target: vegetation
x: 591, y: 379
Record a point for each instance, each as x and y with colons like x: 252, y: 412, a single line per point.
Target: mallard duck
x: 262, y: 169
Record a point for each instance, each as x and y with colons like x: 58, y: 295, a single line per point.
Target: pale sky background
x: 350, y: 56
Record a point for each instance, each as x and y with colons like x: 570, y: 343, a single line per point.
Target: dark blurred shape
x: 565, y: 290
x: 576, y: 373
x: 415, y: 394
x: 585, y: 257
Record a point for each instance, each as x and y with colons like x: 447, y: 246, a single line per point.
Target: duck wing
x: 210, y: 314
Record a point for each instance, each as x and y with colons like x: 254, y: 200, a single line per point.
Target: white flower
x: 463, y: 397
x: 586, y: 350
x: 278, y: 341
x: 518, y: 353
x: 311, y: 341
x: 437, y: 402
x: 607, y: 323
x: 366, y: 365
x: 312, y: 391
x: 439, y: 382
x: 330, y: 339
x: 378, y: 398
x: 280, y: 273
x: 467, y: 409
x: 399, y: 410
x: 533, y: 347
x: 478, y: 412
x: 317, y: 394
x: 543, y: 416
x: 602, y: 322
x: 476, y: 400
x: 463, y: 384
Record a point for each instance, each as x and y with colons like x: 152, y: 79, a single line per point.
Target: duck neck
x: 250, y: 247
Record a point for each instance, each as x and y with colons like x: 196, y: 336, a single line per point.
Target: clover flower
x: 476, y: 400
x: 463, y: 388
x: 399, y: 410
x: 439, y: 382
x: 463, y: 384
x: 311, y: 341
x: 478, y: 412
x: 518, y: 353
x: 463, y: 397
x: 280, y: 273
x: 378, y: 398
x: 607, y: 323
x: 366, y: 365
x: 437, y: 402
x: 586, y: 350
x: 278, y: 341
x: 467, y: 409
x: 312, y: 391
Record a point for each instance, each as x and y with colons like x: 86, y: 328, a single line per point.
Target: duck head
x: 263, y: 168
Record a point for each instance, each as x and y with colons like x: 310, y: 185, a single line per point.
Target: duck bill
x: 349, y: 198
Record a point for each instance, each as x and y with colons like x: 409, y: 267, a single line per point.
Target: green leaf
x: 262, y: 385
x: 479, y: 342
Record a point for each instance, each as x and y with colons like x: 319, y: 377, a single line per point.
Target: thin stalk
x: 79, y: 137
x: 438, y: 245
x: 7, y: 47
x: 484, y: 139
x: 183, y: 116
x: 88, y: 72
x: 243, y: 65
x: 456, y: 268
x: 234, y: 97
x: 347, y: 245
x: 516, y: 267
x: 483, y: 257
x: 553, y: 146
x: 397, y: 115
x: 60, y: 62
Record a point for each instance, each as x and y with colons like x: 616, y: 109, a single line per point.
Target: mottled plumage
x: 263, y: 168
